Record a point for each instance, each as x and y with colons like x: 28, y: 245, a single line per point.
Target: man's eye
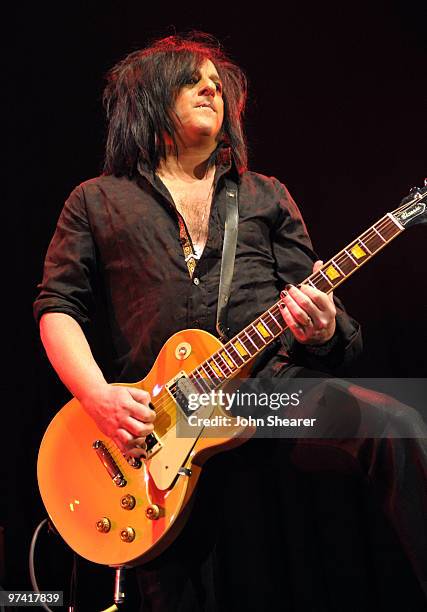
x: 218, y: 87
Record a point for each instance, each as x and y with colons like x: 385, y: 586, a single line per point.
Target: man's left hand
x: 309, y: 313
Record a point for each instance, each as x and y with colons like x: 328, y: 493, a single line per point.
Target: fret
x: 326, y: 278
x: 208, y: 377
x: 231, y: 345
x: 374, y: 242
x: 337, y: 266
x: 197, y: 382
x: 216, y: 367
x: 275, y: 320
x: 207, y: 386
x: 266, y: 326
x: 241, y: 349
x: 395, y: 221
x: 217, y: 355
x: 364, y: 245
x: 333, y: 272
x: 321, y: 283
x: 377, y: 232
x: 262, y: 339
x: 248, y: 337
x: 351, y: 257
x: 201, y: 381
x: 311, y: 283
x: 390, y: 230
x: 357, y: 252
x: 345, y: 263
x: 213, y: 371
x: 229, y: 356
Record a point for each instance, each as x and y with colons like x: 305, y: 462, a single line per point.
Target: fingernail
x: 283, y: 294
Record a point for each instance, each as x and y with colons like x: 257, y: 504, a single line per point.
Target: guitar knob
x: 127, y: 534
x: 103, y: 525
x: 152, y: 512
x: 128, y: 502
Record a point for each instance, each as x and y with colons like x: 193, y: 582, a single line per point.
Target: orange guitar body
x: 90, y: 511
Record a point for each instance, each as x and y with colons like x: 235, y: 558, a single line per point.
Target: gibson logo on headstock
x: 411, y: 212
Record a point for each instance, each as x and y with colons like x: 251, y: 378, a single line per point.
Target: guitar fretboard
x: 254, y: 338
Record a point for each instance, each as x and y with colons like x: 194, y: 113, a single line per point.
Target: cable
x: 31, y: 563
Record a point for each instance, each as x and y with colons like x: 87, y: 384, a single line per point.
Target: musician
x: 143, y: 241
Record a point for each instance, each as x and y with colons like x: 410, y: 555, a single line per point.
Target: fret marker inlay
x: 357, y: 251
x: 332, y: 272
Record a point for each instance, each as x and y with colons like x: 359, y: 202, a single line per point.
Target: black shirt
x: 118, y: 240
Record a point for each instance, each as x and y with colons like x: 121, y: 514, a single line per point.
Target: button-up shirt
x: 117, y: 245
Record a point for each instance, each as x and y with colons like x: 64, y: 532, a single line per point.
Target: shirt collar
x: 224, y: 165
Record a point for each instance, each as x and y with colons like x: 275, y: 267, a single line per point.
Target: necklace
x: 193, y: 202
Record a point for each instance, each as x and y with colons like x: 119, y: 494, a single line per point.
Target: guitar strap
x: 228, y: 255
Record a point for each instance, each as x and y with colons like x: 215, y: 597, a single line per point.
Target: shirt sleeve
x: 70, y: 263
x: 294, y: 257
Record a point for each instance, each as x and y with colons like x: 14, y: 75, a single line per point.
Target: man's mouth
x: 206, y: 106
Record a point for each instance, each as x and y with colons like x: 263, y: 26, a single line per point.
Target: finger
x: 317, y: 265
x: 301, y: 306
x: 139, y: 395
x: 138, y: 448
x: 323, y: 301
x: 138, y: 453
x: 136, y: 427
x: 140, y: 412
x: 122, y: 439
x: 294, y: 326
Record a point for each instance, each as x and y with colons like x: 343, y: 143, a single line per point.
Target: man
x: 175, y: 136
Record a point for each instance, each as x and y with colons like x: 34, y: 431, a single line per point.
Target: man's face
x: 199, y: 107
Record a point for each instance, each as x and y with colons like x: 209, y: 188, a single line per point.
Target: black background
x: 336, y: 110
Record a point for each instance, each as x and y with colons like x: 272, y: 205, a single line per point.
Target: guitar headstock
x: 412, y: 209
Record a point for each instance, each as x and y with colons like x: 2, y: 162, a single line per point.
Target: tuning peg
x: 425, y: 182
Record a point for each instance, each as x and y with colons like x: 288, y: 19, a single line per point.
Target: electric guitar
x: 122, y: 511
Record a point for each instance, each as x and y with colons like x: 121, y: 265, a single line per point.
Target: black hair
x: 141, y: 91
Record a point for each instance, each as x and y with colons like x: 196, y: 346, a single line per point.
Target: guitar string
x: 342, y: 256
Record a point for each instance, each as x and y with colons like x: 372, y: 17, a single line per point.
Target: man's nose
x: 207, y: 89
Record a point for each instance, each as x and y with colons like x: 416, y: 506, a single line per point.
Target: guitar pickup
x: 180, y: 388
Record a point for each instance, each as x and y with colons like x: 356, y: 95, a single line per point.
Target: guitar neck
x: 254, y: 338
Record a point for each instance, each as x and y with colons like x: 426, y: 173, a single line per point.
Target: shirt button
x: 196, y: 281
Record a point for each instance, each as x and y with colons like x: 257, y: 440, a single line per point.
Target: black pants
x: 307, y: 524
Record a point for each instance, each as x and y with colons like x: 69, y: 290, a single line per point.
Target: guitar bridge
x: 108, y: 462
x: 153, y: 444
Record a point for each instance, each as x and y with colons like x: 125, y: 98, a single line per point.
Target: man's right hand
x: 123, y: 414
